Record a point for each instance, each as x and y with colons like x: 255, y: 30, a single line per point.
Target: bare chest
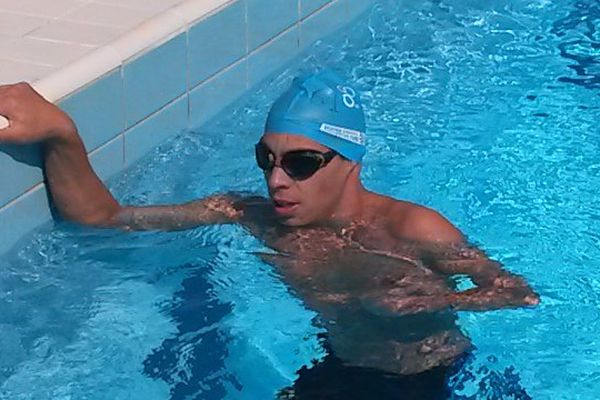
x: 348, y: 264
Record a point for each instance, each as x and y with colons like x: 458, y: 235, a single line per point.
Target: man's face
x: 307, y: 201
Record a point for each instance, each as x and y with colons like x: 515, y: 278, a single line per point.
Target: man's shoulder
x: 412, y: 221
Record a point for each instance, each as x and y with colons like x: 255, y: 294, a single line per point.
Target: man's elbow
x: 97, y: 218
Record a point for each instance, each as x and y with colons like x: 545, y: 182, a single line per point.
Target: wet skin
x: 341, y: 274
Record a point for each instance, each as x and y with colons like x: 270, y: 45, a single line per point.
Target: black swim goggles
x: 297, y: 164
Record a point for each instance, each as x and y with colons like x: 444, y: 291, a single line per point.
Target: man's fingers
x: 7, y: 107
x: 30, y: 117
x: 532, y: 299
x: 3, y: 123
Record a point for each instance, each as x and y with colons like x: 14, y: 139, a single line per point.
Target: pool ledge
x: 144, y: 37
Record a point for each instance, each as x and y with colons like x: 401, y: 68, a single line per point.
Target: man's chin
x: 291, y: 221
x: 290, y: 217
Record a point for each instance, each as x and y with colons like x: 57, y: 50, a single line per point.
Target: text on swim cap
x: 344, y: 133
x: 348, y: 96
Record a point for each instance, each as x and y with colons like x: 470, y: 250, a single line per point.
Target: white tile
x: 74, y: 32
x: 78, y: 74
x: 148, y: 35
x: 42, y: 52
x: 155, y: 5
x: 16, y: 71
x: 110, y: 15
x: 194, y: 10
x: 12, y: 24
x: 4, y: 40
x: 41, y: 8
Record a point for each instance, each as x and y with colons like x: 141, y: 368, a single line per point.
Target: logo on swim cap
x: 322, y: 107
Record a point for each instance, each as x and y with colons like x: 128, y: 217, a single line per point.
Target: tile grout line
x: 298, y: 24
x: 154, y: 113
x: 124, y: 112
x: 211, y: 13
x: 188, y: 73
x: 124, y: 123
x: 47, y: 21
x: 246, y: 33
x: 19, y: 198
x: 104, y: 145
x: 319, y: 10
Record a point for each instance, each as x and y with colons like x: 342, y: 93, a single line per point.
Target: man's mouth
x: 284, y: 207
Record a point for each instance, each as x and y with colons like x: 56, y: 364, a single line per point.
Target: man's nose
x: 278, y: 179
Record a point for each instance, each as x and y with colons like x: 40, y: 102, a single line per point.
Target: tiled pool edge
x: 122, y: 115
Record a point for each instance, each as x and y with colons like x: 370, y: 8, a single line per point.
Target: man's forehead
x: 289, y: 141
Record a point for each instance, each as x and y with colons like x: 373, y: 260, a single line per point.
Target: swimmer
x: 378, y: 270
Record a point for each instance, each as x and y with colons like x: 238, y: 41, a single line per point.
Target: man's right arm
x: 78, y: 194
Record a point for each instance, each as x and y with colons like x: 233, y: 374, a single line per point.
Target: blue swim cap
x: 323, y: 108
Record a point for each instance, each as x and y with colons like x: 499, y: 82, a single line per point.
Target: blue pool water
x: 486, y: 111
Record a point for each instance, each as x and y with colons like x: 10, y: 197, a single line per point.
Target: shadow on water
x: 581, y: 43
x: 480, y: 380
x: 192, y: 362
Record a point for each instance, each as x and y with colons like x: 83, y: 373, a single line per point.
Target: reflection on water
x: 579, y: 33
x: 479, y: 380
x: 192, y: 361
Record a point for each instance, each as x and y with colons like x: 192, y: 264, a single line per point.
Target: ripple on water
x: 486, y: 111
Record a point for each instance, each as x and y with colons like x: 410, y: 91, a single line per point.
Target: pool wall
x: 170, y: 74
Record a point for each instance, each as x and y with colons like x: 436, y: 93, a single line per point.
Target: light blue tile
x: 168, y: 122
x: 323, y: 23
x: 217, y: 42
x: 155, y: 79
x: 19, y: 171
x: 98, y: 110
x: 272, y: 57
x: 310, y: 6
x: 212, y: 96
x: 358, y: 7
x: 27, y: 213
x: 108, y: 159
x: 268, y: 18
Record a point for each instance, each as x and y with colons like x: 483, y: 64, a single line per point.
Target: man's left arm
x: 444, y: 249
x: 494, y: 286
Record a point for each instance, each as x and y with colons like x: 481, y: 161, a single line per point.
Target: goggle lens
x: 298, y: 165
x: 301, y: 166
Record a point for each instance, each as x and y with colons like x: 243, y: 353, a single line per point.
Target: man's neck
x: 352, y: 207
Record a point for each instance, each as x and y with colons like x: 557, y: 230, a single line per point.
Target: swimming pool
x: 487, y: 112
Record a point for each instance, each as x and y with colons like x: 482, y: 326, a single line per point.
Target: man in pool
x: 378, y: 270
